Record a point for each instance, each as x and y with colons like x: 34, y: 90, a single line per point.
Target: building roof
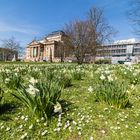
x: 34, y: 42
x: 128, y: 41
x: 131, y: 41
x: 55, y: 33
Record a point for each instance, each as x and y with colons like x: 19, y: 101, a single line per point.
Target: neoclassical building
x: 51, y: 48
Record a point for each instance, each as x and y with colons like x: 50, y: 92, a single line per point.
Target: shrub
x: 77, y: 73
x: 103, y: 61
x: 40, y: 97
x: 131, y: 74
x: 11, y: 79
x: 121, y: 62
x: 111, y: 90
x: 65, y: 80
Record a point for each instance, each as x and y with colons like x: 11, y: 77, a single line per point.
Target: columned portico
x: 48, y: 49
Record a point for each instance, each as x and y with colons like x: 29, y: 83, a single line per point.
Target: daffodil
x: 57, y: 108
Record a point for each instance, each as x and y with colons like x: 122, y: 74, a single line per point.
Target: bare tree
x: 77, y: 32
x: 87, y: 36
x: 100, y: 31
x: 12, y: 45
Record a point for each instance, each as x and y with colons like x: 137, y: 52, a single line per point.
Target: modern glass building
x: 120, y: 51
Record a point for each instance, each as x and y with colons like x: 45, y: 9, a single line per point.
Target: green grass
x: 85, y: 118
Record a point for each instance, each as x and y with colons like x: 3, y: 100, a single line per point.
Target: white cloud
x: 25, y: 29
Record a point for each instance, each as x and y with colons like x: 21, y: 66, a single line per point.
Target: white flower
x: 7, y: 80
x: 110, y: 79
x: 22, y: 117
x: 59, y: 117
x: 125, y: 72
x: 42, y: 119
x: 32, y: 90
x: 31, y: 126
x: 16, y: 74
x: 132, y: 86
x: 79, y: 133
x: 26, y: 119
x: 126, y: 126
x: 45, y: 124
x: 44, y: 133
x: 91, y: 138
x: 59, y: 124
x: 105, y: 109
x: 37, y: 121
x: 20, y: 126
x: 118, y: 123
x: 125, y: 117
x: 57, y: 129
x: 2, y: 127
x: 79, y: 128
x: 75, y: 123
x: 33, y: 81
x: 122, y: 120
x: 102, y: 77
x: 23, y: 136
x: 57, y: 108
x: 70, y: 129
x: 103, y: 131
x: 119, y: 127
x: 8, y: 128
x: 90, y: 89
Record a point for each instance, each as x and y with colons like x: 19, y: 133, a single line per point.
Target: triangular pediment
x: 34, y: 42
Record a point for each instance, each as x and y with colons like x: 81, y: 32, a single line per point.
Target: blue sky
x: 29, y: 19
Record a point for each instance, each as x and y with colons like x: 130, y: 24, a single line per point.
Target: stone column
x: 38, y: 52
x: 31, y: 53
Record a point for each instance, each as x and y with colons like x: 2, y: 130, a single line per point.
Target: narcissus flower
x: 32, y: 90
x: 102, y: 77
x: 33, y: 81
x: 57, y: 108
x: 90, y: 89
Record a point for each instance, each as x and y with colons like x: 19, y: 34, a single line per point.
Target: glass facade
x: 34, y: 52
x: 119, y: 50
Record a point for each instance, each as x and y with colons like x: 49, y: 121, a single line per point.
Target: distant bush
x: 103, y: 61
x: 121, y: 62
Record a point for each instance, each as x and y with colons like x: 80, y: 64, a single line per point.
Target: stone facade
x: 51, y: 48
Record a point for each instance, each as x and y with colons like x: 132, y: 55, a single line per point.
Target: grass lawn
x: 83, y: 118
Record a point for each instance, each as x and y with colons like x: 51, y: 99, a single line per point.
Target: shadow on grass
x: 65, y: 105
x: 7, y: 108
x: 129, y: 105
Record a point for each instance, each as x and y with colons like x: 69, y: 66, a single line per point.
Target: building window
x: 46, y: 52
x: 34, y: 52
